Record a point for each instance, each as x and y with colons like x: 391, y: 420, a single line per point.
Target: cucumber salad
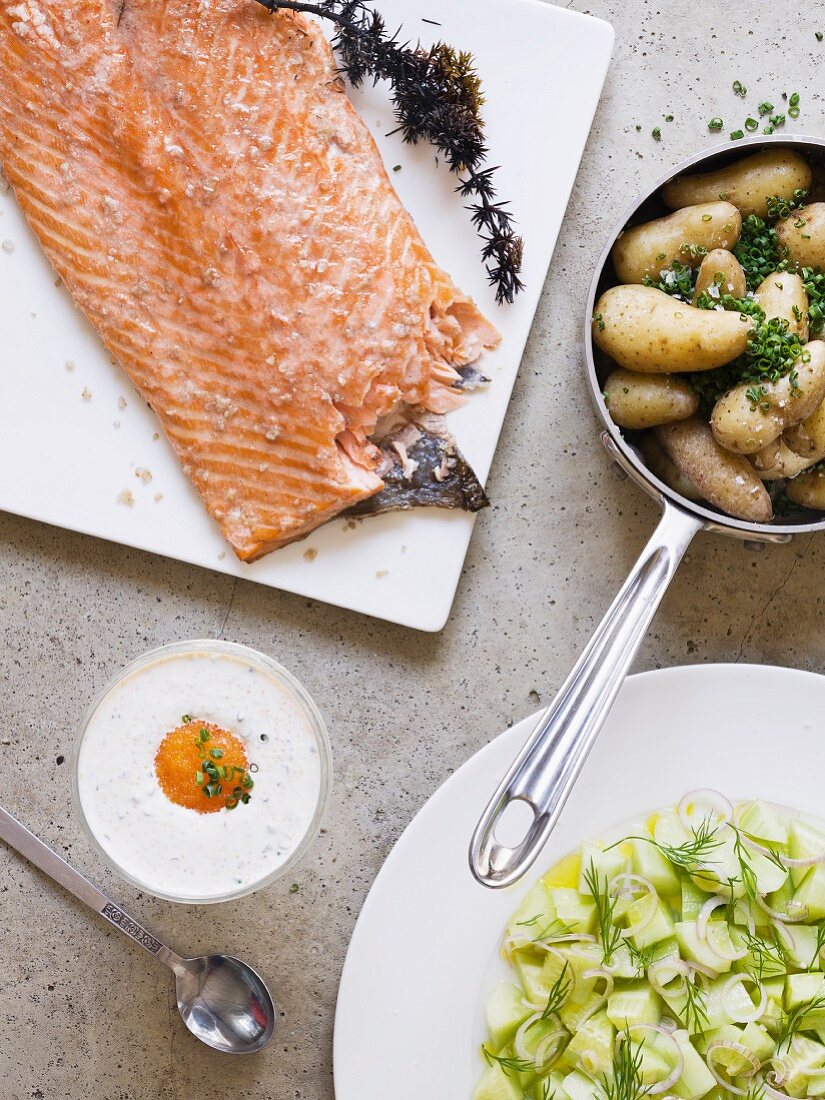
x: 682, y: 959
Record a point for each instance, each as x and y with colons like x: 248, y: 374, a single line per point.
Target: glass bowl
x: 294, y: 691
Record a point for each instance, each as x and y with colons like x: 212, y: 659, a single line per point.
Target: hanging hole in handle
x: 515, y: 823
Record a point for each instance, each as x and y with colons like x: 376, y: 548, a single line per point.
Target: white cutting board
x: 63, y: 460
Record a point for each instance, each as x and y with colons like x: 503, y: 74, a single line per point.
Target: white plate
x: 64, y: 462
x: 408, y: 1023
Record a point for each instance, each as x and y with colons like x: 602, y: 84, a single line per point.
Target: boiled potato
x: 721, y: 269
x: 808, y: 490
x: 777, y: 461
x: 783, y: 295
x: 645, y: 400
x: 648, y: 249
x: 747, y: 184
x: 745, y: 424
x: 808, y: 437
x: 726, y: 480
x: 803, y: 234
x: 646, y: 330
x: 662, y: 465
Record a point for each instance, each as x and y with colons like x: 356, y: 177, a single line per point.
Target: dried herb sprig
x: 437, y: 97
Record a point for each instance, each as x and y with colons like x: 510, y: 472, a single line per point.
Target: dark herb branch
x: 437, y: 97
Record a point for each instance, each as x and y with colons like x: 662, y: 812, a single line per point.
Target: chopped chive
x: 793, y: 112
x: 737, y: 135
x: 656, y: 133
x: 777, y: 120
x: 739, y: 88
x: 668, y: 118
x: 716, y: 124
x: 186, y: 719
x: 216, y: 754
x: 767, y: 130
x: 765, y: 108
x: 751, y: 124
x: 794, y: 100
x: 199, y: 777
x: 819, y: 35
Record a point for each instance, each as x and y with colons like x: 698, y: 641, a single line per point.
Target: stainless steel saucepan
x: 546, y: 769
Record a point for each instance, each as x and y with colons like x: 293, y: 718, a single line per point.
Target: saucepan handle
x: 548, y: 765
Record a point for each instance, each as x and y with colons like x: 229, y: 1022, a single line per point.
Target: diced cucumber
x: 763, y: 959
x: 692, y: 899
x: 805, y: 841
x: 496, y: 1085
x: 633, y: 1004
x: 654, y: 1066
x: 579, y: 957
x: 816, y: 1083
x: 547, y: 1085
x: 695, y: 950
x: 811, y: 893
x: 655, y: 930
x: 669, y: 830
x: 764, y: 822
x: 591, y: 1048
x: 803, y: 952
x: 565, y: 873
x: 572, y: 1015
x: 696, y: 1079
x: 649, y: 862
x: 531, y: 975
x: 798, y: 1060
x: 730, y: 1060
x: 505, y: 1013
x: 605, y: 865
x: 576, y: 912
x: 579, y: 1087
x: 535, y: 914
x: 758, y: 1039
x: 721, y: 1001
x: 802, y: 987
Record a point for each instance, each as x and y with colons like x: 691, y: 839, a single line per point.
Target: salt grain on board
x: 126, y: 496
x: 70, y: 364
x: 8, y: 246
x: 87, y: 394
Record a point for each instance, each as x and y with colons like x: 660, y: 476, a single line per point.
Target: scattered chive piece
x: 819, y: 35
x: 793, y: 112
x: 199, y: 777
x: 794, y: 100
x: 716, y: 124
x: 765, y: 108
x: 294, y: 888
x: 739, y: 88
x: 768, y: 130
x: 751, y: 124
x: 638, y: 128
x: 397, y: 168
x: 777, y: 120
x: 216, y: 754
x: 668, y: 118
x: 186, y: 719
x: 656, y: 133
x: 737, y: 135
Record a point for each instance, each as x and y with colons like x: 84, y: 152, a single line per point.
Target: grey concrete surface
x: 82, y: 1013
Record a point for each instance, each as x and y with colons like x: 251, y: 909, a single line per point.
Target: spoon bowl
x: 224, y: 1003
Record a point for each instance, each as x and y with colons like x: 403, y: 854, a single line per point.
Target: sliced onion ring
x: 749, y: 1017
x: 714, y: 799
x: 539, y: 1057
x: 705, y: 912
x: 668, y: 1082
x: 737, y: 1048
x: 598, y: 972
x: 678, y: 969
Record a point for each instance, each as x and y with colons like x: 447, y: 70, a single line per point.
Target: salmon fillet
x: 209, y: 196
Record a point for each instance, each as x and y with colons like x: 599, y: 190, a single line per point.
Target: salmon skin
x: 207, y: 193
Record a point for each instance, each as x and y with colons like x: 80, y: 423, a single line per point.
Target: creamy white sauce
x: 170, y: 849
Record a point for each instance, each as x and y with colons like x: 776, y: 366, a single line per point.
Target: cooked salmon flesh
x: 202, y: 185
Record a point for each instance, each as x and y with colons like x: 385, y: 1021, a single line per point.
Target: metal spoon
x: 222, y: 1001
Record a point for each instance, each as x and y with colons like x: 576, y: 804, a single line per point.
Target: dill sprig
x: 695, y: 1011
x: 609, y: 935
x: 820, y: 943
x: 509, y: 1065
x: 626, y: 1080
x: 769, y: 956
x: 641, y: 957
x: 559, y: 992
x: 437, y: 97
x: 691, y: 855
x: 793, y: 1021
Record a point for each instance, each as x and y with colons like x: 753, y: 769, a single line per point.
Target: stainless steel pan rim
x: 547, y: 767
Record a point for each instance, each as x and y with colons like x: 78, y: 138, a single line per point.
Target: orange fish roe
x: 181, y: 756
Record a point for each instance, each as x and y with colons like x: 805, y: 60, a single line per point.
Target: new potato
x: 807, y: 438
x: 720, y: 268
x: 646, y: 330
x: 662, y: 465
x: 777, y: 460
x: 648, y: 249
x: 745, y: 423
x: 747, y: 184
x: 803, y: 234
x: 726, y: 480
x: 644, y: 400
x: 783, y: 295
x: 808, y: 490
